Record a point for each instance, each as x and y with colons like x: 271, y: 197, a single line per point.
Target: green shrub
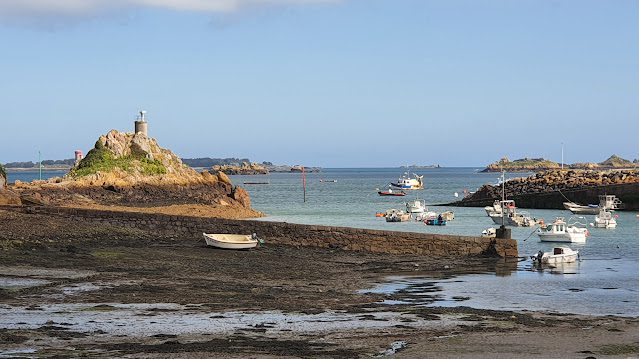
x: 101, y: 159
x: 3, y: 173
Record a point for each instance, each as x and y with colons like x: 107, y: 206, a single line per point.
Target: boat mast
x: 503, y: 195
x: 304, y: 182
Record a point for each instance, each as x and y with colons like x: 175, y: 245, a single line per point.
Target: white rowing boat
x: 231, y: 241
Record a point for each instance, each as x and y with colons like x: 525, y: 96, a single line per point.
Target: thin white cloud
x: 80, y: 8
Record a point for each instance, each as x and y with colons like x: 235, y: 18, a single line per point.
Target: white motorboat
x: 426, y: 215
x: 508, y: 215
x: 605, y: 219
x: 489, y: 233
x: 560, y: 231
x: 559, y: 255
x: 231, y: 241
x: 580, y: 209
x: 416, y: 206
x: 494, y: 209
x: 406, y: 182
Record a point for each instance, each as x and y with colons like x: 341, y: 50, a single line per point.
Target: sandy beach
x: 74, y: 289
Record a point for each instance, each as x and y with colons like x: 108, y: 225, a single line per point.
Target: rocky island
x: 131, y: 172
x: 542, y: 164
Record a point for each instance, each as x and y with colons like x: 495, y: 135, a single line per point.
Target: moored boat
x: 435, y: 222
x: 581, y: 209
x: 406, y: 182
x: 558, y: 255
x: 394, y: 215
x: 391, y: 193
x: 605, y: 219
x: 416, y: 206
x: 560, y: 231
x: 231, y: 241
x: 505, y: 212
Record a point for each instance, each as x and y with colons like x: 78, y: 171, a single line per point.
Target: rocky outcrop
x: 126, y: 169
x: 246, y: 168
x: 3, y: 177
x: 541, y: 164
x: 521, y: 165
x: 8, y: 197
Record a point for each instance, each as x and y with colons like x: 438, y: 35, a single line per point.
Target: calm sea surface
x: 606, y: 281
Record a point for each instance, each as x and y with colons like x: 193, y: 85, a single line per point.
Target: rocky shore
x: 550, y: 189
x: 78, y: 289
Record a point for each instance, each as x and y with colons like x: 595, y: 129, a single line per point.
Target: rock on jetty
x: 549, y: 189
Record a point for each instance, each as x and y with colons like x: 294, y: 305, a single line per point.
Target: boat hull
x: 562, y: 237
x: 230, y: 241
x: 392, y: 194
x: 579, y: 209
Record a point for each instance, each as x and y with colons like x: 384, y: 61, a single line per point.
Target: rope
x: 530, y: 234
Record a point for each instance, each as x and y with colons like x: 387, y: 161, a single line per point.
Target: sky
x: 332, y: 83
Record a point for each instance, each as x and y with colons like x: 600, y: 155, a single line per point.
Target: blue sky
x: 345, y: 83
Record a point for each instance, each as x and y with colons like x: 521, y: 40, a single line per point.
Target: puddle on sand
x: 581, y: 288
x: 136, y: 320
x: 14, y: 283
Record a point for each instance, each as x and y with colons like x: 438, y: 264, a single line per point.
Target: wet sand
x: 73, y: 289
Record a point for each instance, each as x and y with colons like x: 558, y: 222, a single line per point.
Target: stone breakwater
x: 548, y: 190
x: 345, y: 238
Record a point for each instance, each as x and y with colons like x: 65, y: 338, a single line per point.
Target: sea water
x: 606, y: 281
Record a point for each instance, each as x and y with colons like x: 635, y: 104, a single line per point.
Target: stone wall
x: 297, y: 234
x: 628, y: 193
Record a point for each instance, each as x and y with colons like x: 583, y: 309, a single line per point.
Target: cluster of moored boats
x: 505, y: 212
x: 415, y: 209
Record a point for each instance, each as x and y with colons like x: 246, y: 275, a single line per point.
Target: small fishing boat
x: 435, y: 222
x: 391, y: 193
x: 416, y: 206
x: 505, y: 212
x: 605, y: 219
x: 448, y: 215
x: 560, y: 231
x: 420, y: 217
x: 606, y: 201
x: 231, y: 241
x: 558, y: 255
x: 406, y: 182
x: 581, y: 209
x: 328, y: 180
x: 394, y: 215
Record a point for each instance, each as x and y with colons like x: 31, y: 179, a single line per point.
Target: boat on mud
x: 408, y: 182
x: 231, y: 241
x: 561, y: 231
x: 559, y: 255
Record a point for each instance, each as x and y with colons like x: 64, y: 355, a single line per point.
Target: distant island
x: 420, y: 167
x: 542, y: 164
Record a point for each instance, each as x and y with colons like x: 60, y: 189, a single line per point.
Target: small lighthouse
x: 141, y: 126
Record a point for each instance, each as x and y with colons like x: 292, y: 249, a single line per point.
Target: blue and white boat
x: 406, y: 182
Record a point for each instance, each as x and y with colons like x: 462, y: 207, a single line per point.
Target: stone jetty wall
x: 548, y: 190
x: 296, y: 234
